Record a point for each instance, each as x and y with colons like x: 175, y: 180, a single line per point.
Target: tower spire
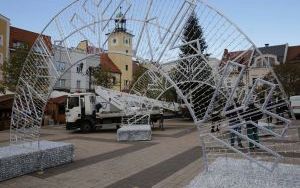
x: 120, y: 21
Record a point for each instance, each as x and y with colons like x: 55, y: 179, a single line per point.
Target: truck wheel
x: 86, y: 127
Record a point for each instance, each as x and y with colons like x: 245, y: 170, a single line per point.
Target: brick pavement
x: 101, y: 161
x: 171, y: 159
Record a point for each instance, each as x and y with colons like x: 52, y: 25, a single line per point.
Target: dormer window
x: 264, y: 61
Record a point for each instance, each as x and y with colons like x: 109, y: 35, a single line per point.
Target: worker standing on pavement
x: 253, y: 114
x: 161, y: 122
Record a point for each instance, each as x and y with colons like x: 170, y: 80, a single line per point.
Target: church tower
x: 120, y: 49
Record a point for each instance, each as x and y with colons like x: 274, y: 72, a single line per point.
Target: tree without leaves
x: 289, y: 76
x: 140, y: 70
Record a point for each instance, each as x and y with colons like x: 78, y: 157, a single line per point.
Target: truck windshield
x: 73, y: 102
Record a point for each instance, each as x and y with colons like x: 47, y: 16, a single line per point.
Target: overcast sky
x: 264, y: 21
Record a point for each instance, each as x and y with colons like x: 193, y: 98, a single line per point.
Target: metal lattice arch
x: 157, y: 27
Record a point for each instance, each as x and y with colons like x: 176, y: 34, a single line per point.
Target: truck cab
x: 295, y: 105
x: 80, y: 111
x: 87, y: 112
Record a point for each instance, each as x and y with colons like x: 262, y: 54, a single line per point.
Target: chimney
x: 267, y: 45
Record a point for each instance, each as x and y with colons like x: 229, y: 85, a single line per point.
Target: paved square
x: 171, y: 159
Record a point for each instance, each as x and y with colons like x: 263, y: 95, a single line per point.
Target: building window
x: 266, y: 60
x: 114, y: 80
x: 126, y: 51
x: 126, y: 67
x: 37, y: 49
x: 126, y: 41
x: 79, y: 68
x: 126, y: 82
x: 78, y: 84
x: 261, y: 64
x: 62, y: 83
x: 61, y: 66
x: 19, y: 44
x: 114, y: 41
x: 1, y: 40
x: 92, y: 99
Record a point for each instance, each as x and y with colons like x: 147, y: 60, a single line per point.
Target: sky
x: 264, y: 21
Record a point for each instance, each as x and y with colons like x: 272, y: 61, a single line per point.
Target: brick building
x: 24, y: 38
x: 293, y: 55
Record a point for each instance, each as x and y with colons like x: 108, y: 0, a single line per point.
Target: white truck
x: 295, y: 105
x: 105, y: 108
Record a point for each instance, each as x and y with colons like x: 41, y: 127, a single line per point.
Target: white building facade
x: 76, y: 78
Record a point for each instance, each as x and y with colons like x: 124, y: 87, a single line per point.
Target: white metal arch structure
x: 207, y: 80
x: 204, y: 95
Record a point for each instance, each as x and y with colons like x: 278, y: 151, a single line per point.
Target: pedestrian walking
x: 234, y: 120
x: 216, y: 118
x: 269, y: 117
x: 253, y: 114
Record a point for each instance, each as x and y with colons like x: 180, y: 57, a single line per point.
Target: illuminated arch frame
x: 25, y: 127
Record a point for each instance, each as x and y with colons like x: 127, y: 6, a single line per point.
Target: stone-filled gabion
x: 236, y: 173
x: 17, y: 160
x: 134, y: 133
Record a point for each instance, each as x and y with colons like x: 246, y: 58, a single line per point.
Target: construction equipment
x: 107, y: 109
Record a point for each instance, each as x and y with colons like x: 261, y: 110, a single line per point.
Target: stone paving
x: 101, y: 161
x: 171, y: 159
